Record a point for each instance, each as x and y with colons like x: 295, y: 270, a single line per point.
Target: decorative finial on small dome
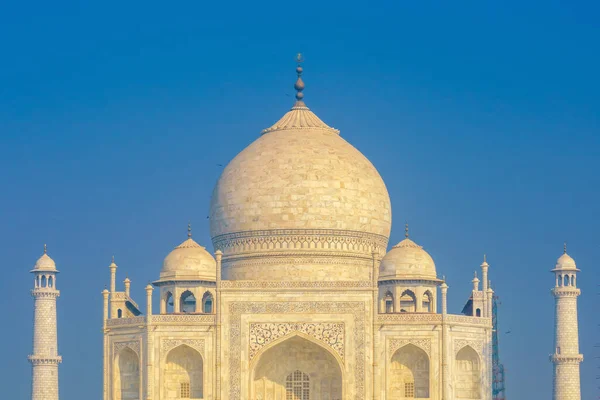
x: 475, y: 277
x: 299, y: 85
x: 565, y: 248
x: 484, y: 258
x: 406, y: 230
x: 45, y: 249
x: 189, y: 230
x: 112, y: 259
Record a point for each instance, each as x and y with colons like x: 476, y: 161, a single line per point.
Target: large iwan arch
x: 296, y: 366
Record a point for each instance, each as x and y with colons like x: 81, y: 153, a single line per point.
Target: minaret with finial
x: 566, y: 357
x: 45, y: 358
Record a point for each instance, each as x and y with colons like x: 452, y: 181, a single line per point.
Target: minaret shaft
x: 45, y: 358
x: 566, y: 357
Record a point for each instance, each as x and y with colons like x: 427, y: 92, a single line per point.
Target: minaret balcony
x: 566, y: 291
x: 44, y: 360
x: 566, y: 358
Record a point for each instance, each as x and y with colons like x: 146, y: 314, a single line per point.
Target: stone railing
x: 466, y: 320
x: 430, y: 318
x: 191, y: 319
x: 134, y: 321
x: 409, y: 318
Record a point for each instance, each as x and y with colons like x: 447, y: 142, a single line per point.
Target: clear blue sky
x: 482, y: 118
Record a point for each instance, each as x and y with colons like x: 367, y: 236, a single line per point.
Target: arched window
x: 50, y: 281
x: 169, y: 303
x: 468, y: 374
x: 566, y: 283
x: 187, y: 303
x: 409, y: 373
x: 389, y: 302
x: 207, y: 303
x: 478, y: 312
x: 427, y: 301
x: 560, y: 280
x: 297, y: 386
x: 127, y: 382
x: 183, y: 374
x: 408, y: 301
x: 43, y: 280
x: 573, y: 280
x: 119, y: 313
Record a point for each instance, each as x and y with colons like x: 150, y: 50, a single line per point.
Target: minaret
x: 566, y: 357
x: 45, y: 358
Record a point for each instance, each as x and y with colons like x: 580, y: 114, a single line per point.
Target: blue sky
x: 482, y: 118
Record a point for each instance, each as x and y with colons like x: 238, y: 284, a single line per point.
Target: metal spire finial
x: 189, y: 230
x: 45, y: 249
x: 565, y: 248
x: 299, y: 86
x: 112, y: 259
x: 475, y: 274
x: 406, y: 230
x: 484, y: 260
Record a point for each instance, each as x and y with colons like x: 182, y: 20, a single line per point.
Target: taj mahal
x: 303, y: 297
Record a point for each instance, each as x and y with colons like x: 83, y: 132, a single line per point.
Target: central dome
x: 299, y: 202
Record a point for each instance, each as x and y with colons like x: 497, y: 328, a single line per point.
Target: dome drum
x: 299, y: 255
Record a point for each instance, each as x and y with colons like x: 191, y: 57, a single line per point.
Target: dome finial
x: 406, y: 230
x: 299, y: 86
x: 189, y: 230
x: 45, y: 249
x: 565, y: 248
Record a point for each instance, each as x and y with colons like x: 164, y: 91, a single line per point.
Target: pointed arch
x: 427, y: 302
x: 44, y: 281
x: 207, y: 303
x: 183, y: 374
x: 50, y: 281
x: 409, y: 373
x: 297, y: 352
x: 388, y: 301
x: 127, y: 371
x: 467, y: 374
x: 169, y: 303
x: 187, y: 302
x: 408, y: 301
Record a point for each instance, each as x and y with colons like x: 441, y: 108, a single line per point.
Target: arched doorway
x: 183, y: 374
x: 468, y: 374
x: 408, y: 375
x: 127, y: 369
x: 296, y: 369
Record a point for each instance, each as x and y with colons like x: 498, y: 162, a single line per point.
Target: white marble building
x: 302, y: 298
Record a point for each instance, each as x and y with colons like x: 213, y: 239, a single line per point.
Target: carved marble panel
x: 330, y: 334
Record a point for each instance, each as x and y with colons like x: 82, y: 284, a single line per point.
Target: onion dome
x: 407, y: 261
x: 565, y: 262
x: 189, y: 262
x: 300, y: 202
x: 45, y: 263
